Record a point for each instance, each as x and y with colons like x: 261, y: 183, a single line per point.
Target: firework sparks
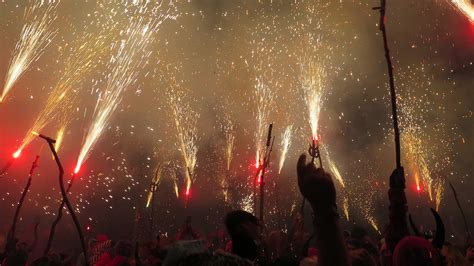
x: 264, y: 99
x: 312, y: 82
x: 154, y: 184
x: 332, y: 166
x: 59, y: 138
x: 35, y: 36
x: 186, y: 123
x: 466, y: 7
x: 285, y: 144
x: 131, y: 54
x: 439, y: 192
x: 345, y: 207
x: 230, y: 141
x: 63, y: 96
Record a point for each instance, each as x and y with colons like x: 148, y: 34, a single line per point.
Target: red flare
x: 77, y: 169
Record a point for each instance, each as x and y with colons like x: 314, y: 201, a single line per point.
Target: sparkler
x: 154, y: 184
x: 131, y: 55
x: 465, y: 7
x: 35, y: 36
x: 229, y: 152
x: 285, y: 143
x: 345, y: 207
x: 186, y: 123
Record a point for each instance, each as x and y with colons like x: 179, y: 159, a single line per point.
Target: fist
x: 316, y: 186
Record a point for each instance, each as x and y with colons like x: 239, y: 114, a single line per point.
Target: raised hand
x: 316, y: 186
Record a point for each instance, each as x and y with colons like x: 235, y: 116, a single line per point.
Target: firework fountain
x: 285, y: 144
x: 130, y: 56
x: 228, y: 129
x: 35, y: 36
x: 64, y: 94
x: 186, y: 124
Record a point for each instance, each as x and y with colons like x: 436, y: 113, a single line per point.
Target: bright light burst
x: 35, y: 36
x: 229, y: 140
x: 285, y: 144
x: 312, y: 82
x: 130, y: 56
x: 185, y: 120
x: 264, y: 101
x: 466, y: 7
x: 345, y: 207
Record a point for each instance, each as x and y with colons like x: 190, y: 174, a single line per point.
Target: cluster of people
x: 245, y: 241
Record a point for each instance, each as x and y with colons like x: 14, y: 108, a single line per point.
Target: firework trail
x: 35, y: 36
x: 228, y: 129
x: 312, y: 82
x: 439, y: 192
x: 345, y: 207
x: 285, y: 143
x: 230, y: 141
x: 332, y: 166
x: 466, y: 7
x: 186, y: 124
x: 131, y: 55
x: 264, y: 99
x: 64, y: 94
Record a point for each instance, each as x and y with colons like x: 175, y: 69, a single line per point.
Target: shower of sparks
x: 64, y: 94
x: 345, y: 207
x: 332, y: 166
x: 246, y: 203
x: 186, y: 124
x: 264, y: 101
x: 312, y: 82
x: 372, y: 223
x: 155, y: 183
x: 285, y: 144
x: 466, y: 7
x: 439, y: 192
x: 59, y: 138
x: 175, y: 184
x: 229, y: 140
x: 130, y: 57
x: 35, y: 36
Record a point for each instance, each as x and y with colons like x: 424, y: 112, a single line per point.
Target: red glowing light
x: 17, y: 154
x: 418, y: 188
x: 88, y: 228
x: 188, y: 191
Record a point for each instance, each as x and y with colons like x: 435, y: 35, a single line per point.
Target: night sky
x: 214, y: 54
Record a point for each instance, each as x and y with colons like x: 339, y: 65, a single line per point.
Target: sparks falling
x: 345, y: 207
x: 35, y: 36
x: 264, y: 100
x: 285, y: 144
x: 130, y: 57
x: 186, y: 124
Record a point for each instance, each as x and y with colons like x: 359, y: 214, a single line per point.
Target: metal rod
x: 65, y: 198
x: 393, y: 95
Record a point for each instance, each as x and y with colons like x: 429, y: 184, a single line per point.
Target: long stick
x: 59, y: 215
x: 466, y: 226
x: 65, y: 198
x: 11, y: 235
x: 391, y: 81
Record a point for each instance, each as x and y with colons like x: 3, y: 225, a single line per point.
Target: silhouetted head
x: 413, y: 250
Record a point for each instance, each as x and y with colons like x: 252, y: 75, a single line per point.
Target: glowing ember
x: 35, y: 36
